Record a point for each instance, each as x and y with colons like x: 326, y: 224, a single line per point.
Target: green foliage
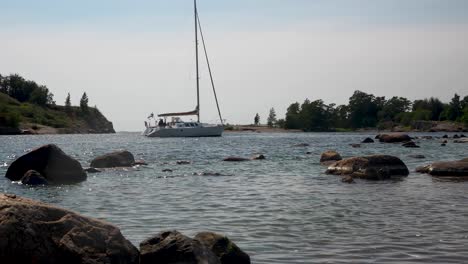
x: 434, y: 105
x: 84, y: 103
x: 257, y: 119
x: 68, y: 107
x: 271, y: 120
x: 25, y: 91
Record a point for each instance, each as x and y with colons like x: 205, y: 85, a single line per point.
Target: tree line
x: 369, y: 111
x: 27, y: 91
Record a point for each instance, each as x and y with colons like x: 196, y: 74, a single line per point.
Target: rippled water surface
x: 280, y: 210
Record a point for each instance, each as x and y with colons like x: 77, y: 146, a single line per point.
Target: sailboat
x: 175, y: 127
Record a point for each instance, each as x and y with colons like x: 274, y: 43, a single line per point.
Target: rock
x: 35, y: 232
x: 113, y: 160
x: 172, y: 247
x: 210, y: 174
x: 33, y: 177
x: 461, y: 140
x: 347, y: 179
x: 446, y: 168
x: 377, y: 167
x: 49, y: 161
x: 445, y: 136
x: 92, y: 170
x: 309, y: 153
x: 443, y: 145
x: 410, y: 144
x: 330, y: 156
x: 427, y: 137
x: 417, y: 156
x: 235, y: 159
x: 258, y: 157
x: 226, y: 251
x: 368, y: 140
x: 355, y: 145
x: 183, y: 162
x: 456, y: 136
x: 462, y: 136
x: 301, y: 145
x: 140, y: 162
x: 444, y: 142
x: 394, y: 138
x: 167, y: 170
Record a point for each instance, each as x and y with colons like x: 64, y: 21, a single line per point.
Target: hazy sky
x: 137, y: 57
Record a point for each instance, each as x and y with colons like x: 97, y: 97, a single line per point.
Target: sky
x: 133, y: 58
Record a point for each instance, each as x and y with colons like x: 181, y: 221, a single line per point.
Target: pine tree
x: 68, y: 103
x: 257, y: 119
x: 84, y: 103
x: 271, y: 121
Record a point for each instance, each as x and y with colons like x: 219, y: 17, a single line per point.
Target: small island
x: 29, y: 108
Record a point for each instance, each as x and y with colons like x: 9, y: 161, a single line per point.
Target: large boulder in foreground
x: 393, y: 138
x: 50, y: 162
x: 35, y: 232
x: 172, y: 247
x: 377, y: 167
x: 329, y: 157
x: 446, y: 168
x: 115, y: 159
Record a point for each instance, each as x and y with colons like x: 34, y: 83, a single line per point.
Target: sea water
x: 284, y: 209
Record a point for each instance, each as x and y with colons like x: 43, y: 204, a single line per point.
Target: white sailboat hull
x: 202, y: 131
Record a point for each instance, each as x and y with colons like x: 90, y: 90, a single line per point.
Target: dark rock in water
x: 33, y: 177
x: 377, y: 137
x: 394, y: 138
x: 368, y: 140
x: 259, y: 157
x: 377, y: 167
x: 417, y: 156
x: 113, y: 160
x: 309, y: 153
x: 210, y: 174
x: 183, y: 162
x: 445, y: 136
x: 457, y: 168
x: 330, y: 157
x: 462, y: 136
x: 456, y: 136
x: 301, y: 145
x: 167, y: 170
x: 235, y: 159
x: 172, y: 247
x: 410, y: 144
x: 347, y: 179
x: 443, y: 145
x: 49, y: 161
x: 35, y: 232
x: 92, y: 170
x: 226, y: 251
x: 140, y: 162
x: 444, y: 142
x: 355, y: 145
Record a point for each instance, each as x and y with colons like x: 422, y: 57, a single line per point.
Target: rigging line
x: 209, y: 69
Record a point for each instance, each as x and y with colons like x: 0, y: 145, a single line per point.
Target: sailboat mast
x: 196, y: 59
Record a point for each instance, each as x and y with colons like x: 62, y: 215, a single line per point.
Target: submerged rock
x: 35, y: 232
x: 207, y: 173
x: 235, y: 159
x: 183, y: 162
x: 368, y: 140
x: 417, y: 156
x: 330, y: 156
x: 347, y: 179
x: 172, y: 247
x: 394, y: 138
x: 445, y: 136
x: 50, y: 162
x: 33, y: 177
x: 377, y: 167
x: 446, y: 168
x: 259, y: 157
x: 410, y: 144
x: 355, y: 145
x: 301, y: 145
x: 115, y: 159
x: 92, y: 170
